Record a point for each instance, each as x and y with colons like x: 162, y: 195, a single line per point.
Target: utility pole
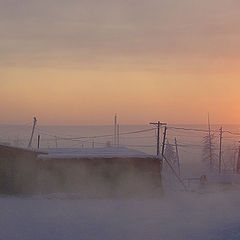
x: 158, y: 125
x: 177, y: 156
x: 39, y: 140
x: 33, y: 129
x: 93, y: 143
x: 115, y: 131
x: 164, y: 140
x: 118, y: 135
x: 238, y: 161
x: 158, y: 137
x: 220, y: 151
x: 210, y: 145
x: 56, y: 141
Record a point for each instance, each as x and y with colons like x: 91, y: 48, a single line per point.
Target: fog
x: 176, y: 216
x: 202, y: 213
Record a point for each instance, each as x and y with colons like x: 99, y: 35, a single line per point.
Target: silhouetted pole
x: 220, y: 151
x: 39, y: 141
x: 33, y: 129
x: 158, y: 137
x: 158, y: 125
x: 177, y: 156
x: 210, y: 145
x: 115, y: 130
x: 56, y: 141
x: 164, y: 140
x: 118, y: 135
x: 238, y: 161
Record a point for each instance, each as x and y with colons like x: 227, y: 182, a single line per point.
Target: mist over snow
x: 176, y: 216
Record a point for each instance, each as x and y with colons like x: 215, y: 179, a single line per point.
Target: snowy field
x: 176, y: 216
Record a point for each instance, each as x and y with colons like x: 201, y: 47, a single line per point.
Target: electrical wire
x: 97, y: 136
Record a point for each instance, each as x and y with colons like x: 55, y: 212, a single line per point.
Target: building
x: 92, y: 173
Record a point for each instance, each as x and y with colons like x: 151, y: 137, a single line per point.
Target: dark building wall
x: 21, y: 172
x: 18, y: 170
x: 102, y: 176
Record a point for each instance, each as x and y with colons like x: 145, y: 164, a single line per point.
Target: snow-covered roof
x: 108, y: 152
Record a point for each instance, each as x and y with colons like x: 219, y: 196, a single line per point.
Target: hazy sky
x: 80, y: 61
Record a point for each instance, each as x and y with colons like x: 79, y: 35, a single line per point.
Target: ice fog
x: 176, y: 216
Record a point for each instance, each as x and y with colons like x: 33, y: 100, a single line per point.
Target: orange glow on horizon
x: 71, y: 96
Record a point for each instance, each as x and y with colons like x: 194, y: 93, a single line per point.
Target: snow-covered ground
x: 179, y: 215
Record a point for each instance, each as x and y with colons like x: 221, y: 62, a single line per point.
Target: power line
x: 145, y: 146
x: 192, y: 129
x: 97, y: 136
x: 203, y: 130
x: 233, y: 133
x: 146, y: 137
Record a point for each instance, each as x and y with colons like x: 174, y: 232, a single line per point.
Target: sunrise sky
x: 80, y: 61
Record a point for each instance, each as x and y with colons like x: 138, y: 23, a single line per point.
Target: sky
x: 81, y: 61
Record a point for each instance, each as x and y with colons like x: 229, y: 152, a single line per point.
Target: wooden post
x: 220, y: 151
x: 56, y: 141
x: 210, y: 145
x: 164, y: 140
x: 118, y: 135
x: 39, y: 141
x: 158, y: 137
x: 115, y: 131
x: 238, y: 161
x: 158, y: 124
x: 33, y: 129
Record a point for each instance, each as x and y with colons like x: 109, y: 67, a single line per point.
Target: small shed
x: 90, y: 172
